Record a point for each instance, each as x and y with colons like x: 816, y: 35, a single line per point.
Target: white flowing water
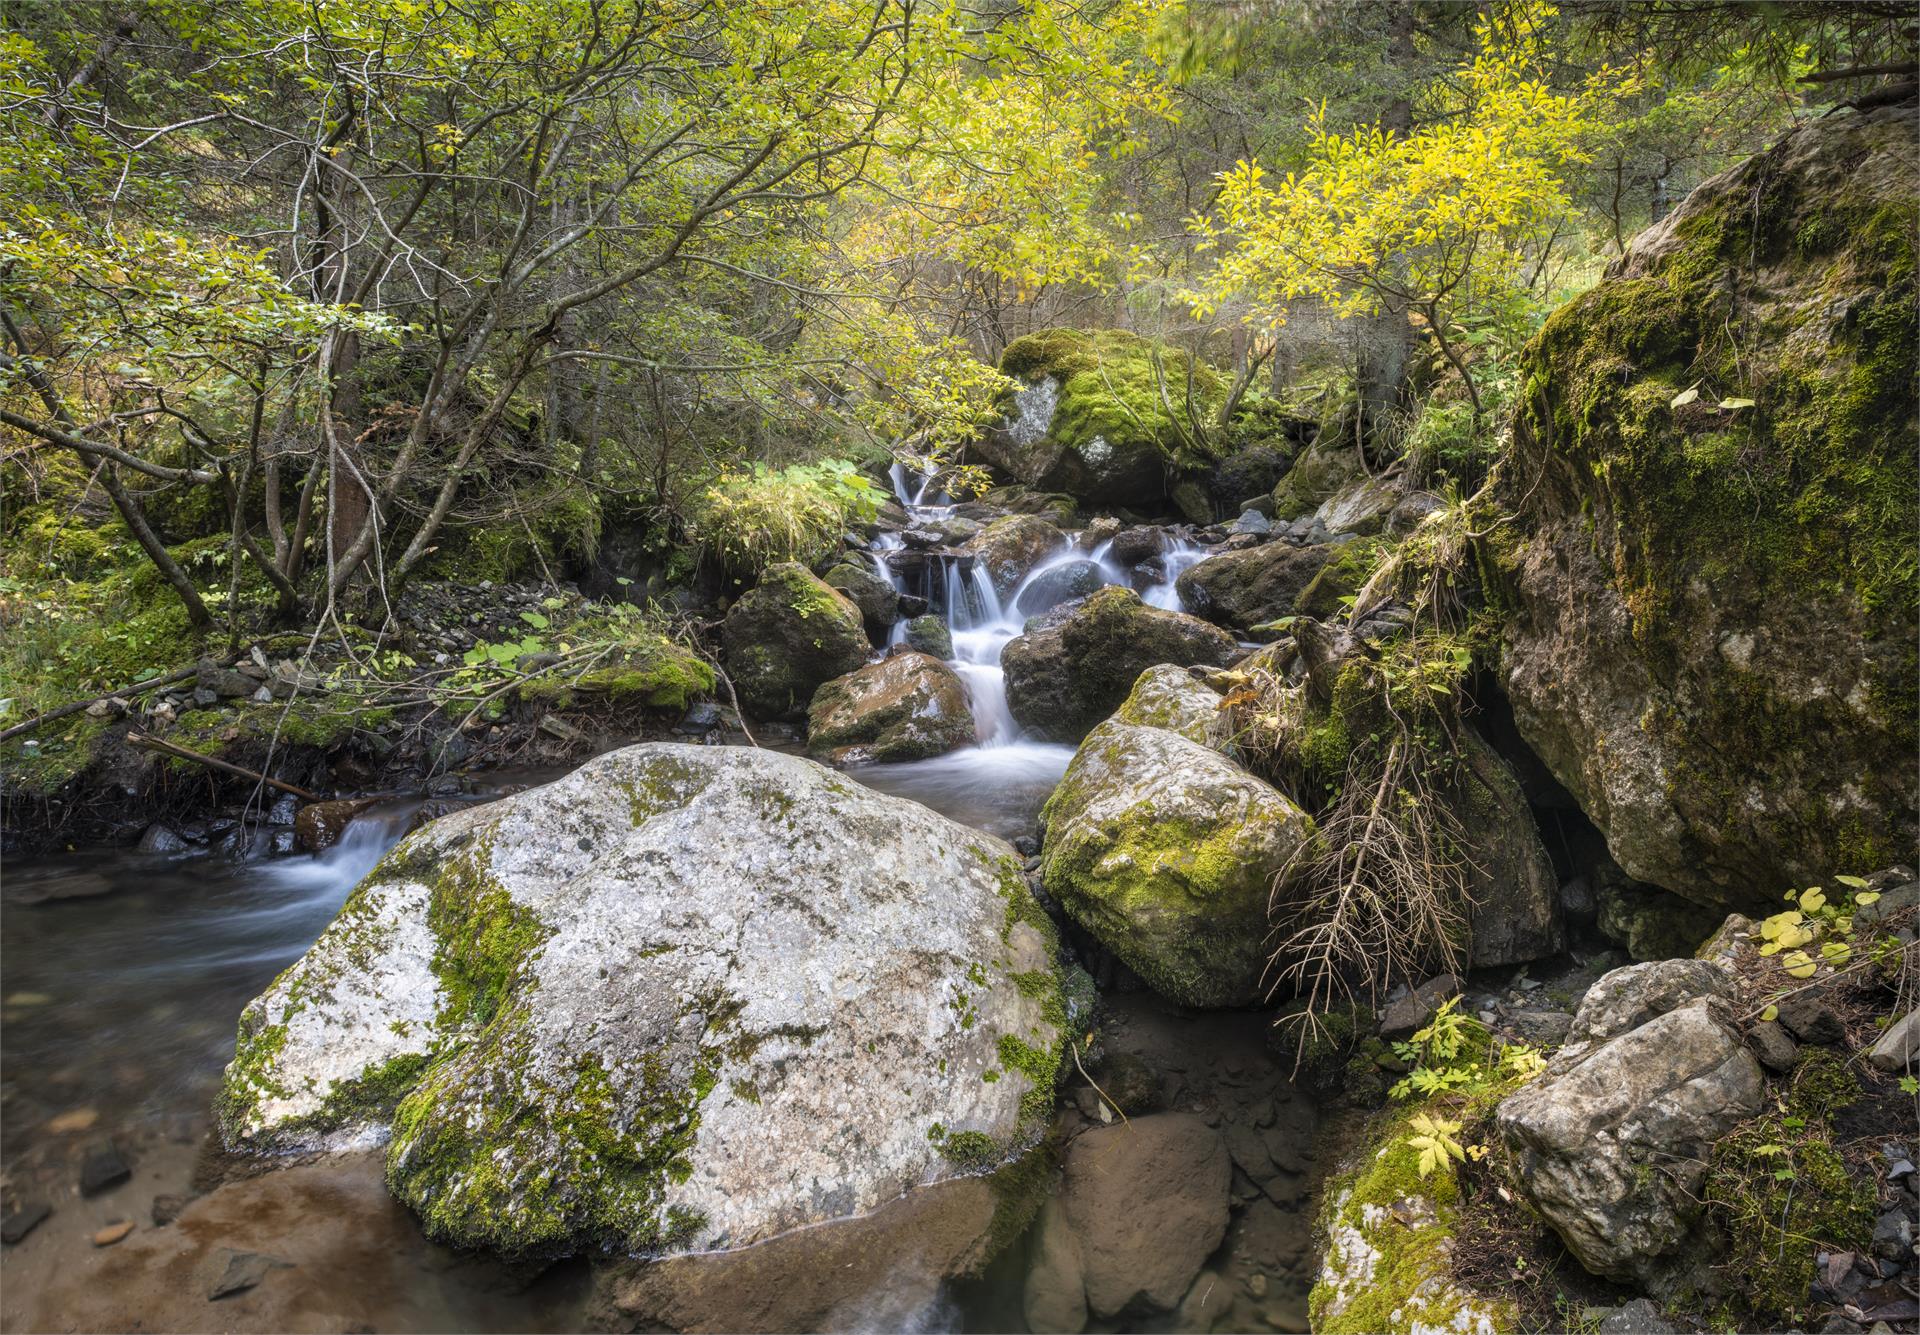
x: 1000, y: 782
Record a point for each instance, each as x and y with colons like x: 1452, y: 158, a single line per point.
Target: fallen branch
x: 140, y: 739
x: 138, y: 688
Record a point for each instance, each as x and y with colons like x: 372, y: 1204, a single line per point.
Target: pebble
x: 23, y: 1221
x: 112, y: 1233
x: 103, y: 1167
x: 75, y: 1119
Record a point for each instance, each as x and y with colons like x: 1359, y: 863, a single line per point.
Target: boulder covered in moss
x: 906, y: 707
x: 684, y: 997
x: 1712, y: 585
x: 786, y: 636
x: 1168, y: 697
x: 1254, y: 585
x: 1010, y: 547
x: 1074, y: 666
x: 1166, y: 852
x: 877, y: 599
x: 1103, y: 415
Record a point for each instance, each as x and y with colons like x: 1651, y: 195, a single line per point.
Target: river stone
x: 1360, y: 507
x: 905, y: 707
x: 1168, y: 697
x: 1253, y: 586
x: 928, y: 634
x: 786, y: 636
x: 1141, y: 1206
x: 1076, y: 667
x: 1060, y: 584
x: 1711, y: 641
x: 877, y: 599
x: 1624, y: 999
x: 686, y: 996
x: 1010, y: 547
x: 1166, y: 851
x: 1612, y: 1152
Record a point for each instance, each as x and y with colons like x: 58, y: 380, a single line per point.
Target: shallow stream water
x: 122, y: 977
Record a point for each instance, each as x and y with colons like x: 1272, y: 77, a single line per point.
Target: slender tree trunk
x: 1386, y: 340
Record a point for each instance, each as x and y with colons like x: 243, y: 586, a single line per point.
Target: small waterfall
x: 981, y: 622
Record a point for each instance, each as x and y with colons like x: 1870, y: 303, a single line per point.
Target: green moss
x: 1111, y: 386
x: 482, y: 937
x: 250, y: 1077
x: 1411, y: 1231
x: 1346, y: 574
x: 969, y: 1151
x: 1780, y: 1193
x: 654, y: 671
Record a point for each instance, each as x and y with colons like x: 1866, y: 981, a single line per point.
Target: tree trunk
x: 1386, y: 338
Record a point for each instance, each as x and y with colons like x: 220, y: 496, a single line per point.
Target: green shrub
x: 753, y: 519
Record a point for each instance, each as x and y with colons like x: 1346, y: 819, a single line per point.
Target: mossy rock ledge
x: 1711, y: 579
x: 685, y: 997
x: 1101, y: 415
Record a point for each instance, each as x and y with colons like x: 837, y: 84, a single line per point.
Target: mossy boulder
x: 905, y: 707
x: 1168, y: 697
x: 1252, y: 586
x: 1322, y: 470
x: 1074, y: 666
x: 1102, y: 415
x: 877, y: 599
x: 787, y: 635
x: 1711, y: 577
x: 684, y: 997
x: 929, y: 635
x: 1010, y: 547
x: 1166, y: 851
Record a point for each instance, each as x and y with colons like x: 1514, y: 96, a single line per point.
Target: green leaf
x: 1688, y: 395
x: 535, y: 620
x: 1730, y: 404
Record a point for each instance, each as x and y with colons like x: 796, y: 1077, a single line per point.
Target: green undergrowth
x: 1780, y: 1192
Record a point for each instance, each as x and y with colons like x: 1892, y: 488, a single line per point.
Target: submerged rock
x: 685, y: 996
x: 1077, y: 665
x: 1140, y: 1209
x: 1166, y: 851
x: 1251, y: 587
x: 1713, y: 635
x: 786, y: 636
x: 905, y: 707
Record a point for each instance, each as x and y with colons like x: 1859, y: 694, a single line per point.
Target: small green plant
x: 1437, y: 1140
x: 1815, y: 921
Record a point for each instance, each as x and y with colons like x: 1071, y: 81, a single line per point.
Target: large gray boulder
x: 787, y: 635
x: 1713, y: 601
x: 907, y: 706
x: 1076, y: 665
x: 686, y: 996
x: 1612, y: 1150
x: 1167, y: 852
x: 1515, y: 912
x: 1624, y: 999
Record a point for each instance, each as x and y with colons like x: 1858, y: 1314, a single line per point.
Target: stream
x: 122, y: 977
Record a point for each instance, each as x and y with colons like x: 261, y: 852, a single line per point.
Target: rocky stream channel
x: 963, y: 1019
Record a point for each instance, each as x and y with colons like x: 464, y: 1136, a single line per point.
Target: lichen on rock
x: 685, y: 996
x: 1712, y: 640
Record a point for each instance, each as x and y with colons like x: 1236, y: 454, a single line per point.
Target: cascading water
x: 998, y: 783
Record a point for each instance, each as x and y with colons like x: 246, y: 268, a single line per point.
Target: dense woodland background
x: 305, y: 303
